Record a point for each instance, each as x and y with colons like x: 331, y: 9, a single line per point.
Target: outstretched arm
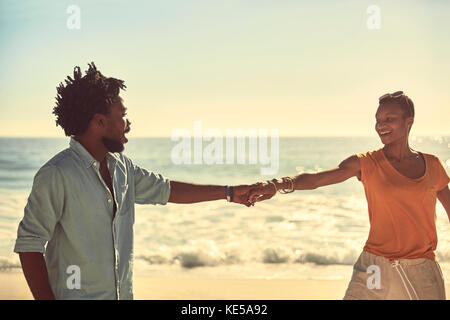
x: 348, y: 168
x: 181, y: 192
x: 444, y: 197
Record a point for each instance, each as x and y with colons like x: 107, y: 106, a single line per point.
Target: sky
x: 306, y: 68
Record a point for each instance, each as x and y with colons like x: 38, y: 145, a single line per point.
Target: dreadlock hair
x: 82, y: 97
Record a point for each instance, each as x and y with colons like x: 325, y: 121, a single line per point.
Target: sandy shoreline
x: 14, y: 287
x: 239, y: 289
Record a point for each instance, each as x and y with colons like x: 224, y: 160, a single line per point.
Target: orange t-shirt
x: 402, y: 211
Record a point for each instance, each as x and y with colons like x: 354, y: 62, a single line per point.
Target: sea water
x: 315, y: 234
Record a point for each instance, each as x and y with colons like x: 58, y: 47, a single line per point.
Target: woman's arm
x: 444, y: 197
x: 348, y: 168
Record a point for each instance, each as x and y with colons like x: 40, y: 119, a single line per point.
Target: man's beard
x: 113, y: 145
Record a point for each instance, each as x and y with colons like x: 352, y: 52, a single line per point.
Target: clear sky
x: 303, y: 67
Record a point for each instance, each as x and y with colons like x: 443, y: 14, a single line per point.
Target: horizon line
x: 280, y: 136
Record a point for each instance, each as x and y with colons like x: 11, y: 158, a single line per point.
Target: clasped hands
x: 248, y: 195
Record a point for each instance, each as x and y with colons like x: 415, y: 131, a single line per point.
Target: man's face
x: 117, y: 127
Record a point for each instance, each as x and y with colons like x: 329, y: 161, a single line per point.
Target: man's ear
x: 99, y: 121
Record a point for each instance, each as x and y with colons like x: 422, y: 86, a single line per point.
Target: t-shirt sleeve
x: 367, y: 165
x: 150, y: 187
x: 442, y: 178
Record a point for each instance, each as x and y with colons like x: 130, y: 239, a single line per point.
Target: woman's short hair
x: 401, y: 99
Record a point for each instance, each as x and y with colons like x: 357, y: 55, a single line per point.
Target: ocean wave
x: 319, y: 257
x: 208, y: 255
x: 199, y: 253
x: 197, y: 257
x: 7, y: 264
x: 7, y: 165
x: 276, y: 255
x: 327, y: 259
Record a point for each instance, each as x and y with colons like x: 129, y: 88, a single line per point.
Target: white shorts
x: 377, y: 278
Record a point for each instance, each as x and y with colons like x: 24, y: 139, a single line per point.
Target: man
x: 82, y: 200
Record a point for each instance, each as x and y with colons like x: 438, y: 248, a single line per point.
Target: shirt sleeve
x: 150, y: 188
x: 442, y: 176
x: 42, y: 211
x: 367, y: 165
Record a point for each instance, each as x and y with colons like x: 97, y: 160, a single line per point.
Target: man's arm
x: 444, y: 197
x: 153, y: 188
x: 181, y: 192
x: 41, y: 214
x: 348, y: 168
x: 35, y: 271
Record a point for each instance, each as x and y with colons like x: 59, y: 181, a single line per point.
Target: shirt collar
x: 85, y: 156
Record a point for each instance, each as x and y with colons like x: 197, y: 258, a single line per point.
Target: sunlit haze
x: 302, y: 67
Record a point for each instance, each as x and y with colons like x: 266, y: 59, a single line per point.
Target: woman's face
x: 391, y: 124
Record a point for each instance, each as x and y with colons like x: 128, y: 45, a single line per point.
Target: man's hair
x: 405, y: 103
x: 82, y: 97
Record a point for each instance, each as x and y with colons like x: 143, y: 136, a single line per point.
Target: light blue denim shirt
x: 70, y: 209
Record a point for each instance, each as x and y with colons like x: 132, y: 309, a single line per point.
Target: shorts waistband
x: 400, y: 261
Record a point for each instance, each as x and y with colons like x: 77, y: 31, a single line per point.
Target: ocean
x: 315, y: 234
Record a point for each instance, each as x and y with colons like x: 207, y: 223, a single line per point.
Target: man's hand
x: 261, y: 191
x: 249, y: 194
x: 241, y: 193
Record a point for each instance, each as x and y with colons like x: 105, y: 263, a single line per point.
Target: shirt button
x: 109, y: 200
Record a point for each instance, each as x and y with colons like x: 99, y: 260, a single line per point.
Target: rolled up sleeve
x: 42, y: 211
x: 150, y: 188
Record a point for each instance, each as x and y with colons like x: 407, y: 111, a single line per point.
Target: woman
x: 401, y: 187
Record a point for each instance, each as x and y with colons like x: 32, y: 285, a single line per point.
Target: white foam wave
x: 7, y: 264
x: 276, y: 255
x: 208, y: 254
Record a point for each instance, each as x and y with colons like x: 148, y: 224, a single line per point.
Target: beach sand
x: 14, y: 287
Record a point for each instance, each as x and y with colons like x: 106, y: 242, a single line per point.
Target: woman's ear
x: 409, y: 122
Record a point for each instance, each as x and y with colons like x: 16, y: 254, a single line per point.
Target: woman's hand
x: 241, y: 194
x: 262, y: 191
